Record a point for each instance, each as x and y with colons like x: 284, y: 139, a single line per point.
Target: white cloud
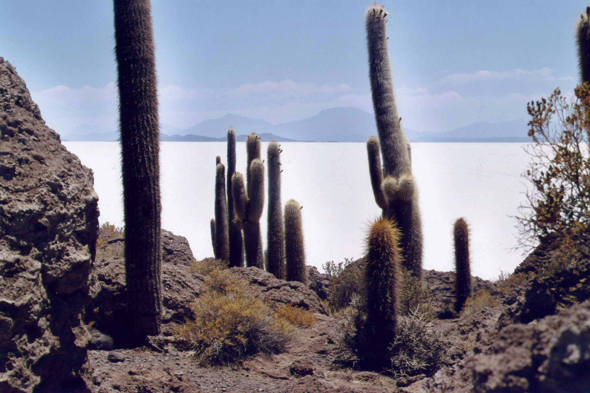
x: 288, y: 88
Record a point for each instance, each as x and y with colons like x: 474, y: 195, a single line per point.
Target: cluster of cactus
x: 394, y: 186
x: 245, y: 204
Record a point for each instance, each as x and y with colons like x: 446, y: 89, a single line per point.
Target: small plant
x: 297, y: 316
x: 506, y: 281
x: 334, y: 269
x: 206, y: 266
x: 418, y: 348
x: 348, y: 282
x: 481, y: 300
x: 231, y: 324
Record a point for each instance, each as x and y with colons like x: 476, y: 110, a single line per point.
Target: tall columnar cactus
x: 221, y: 217
x: 249, y: 202
x: 383, y: 258
x: 236, y: 240
x: 462, y: 264
x: 275, y: 235
x: 294, y: 244
x: 393, y: 185
x: 140, y: 147
x: 583, y: 41
x: 214, y: 237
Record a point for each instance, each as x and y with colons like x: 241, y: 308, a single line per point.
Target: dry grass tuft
x: 481, y: 300
x: 297, y: 316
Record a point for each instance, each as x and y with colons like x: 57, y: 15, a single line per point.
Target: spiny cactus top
x: 583, y: 41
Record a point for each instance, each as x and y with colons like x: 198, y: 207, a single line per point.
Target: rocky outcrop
x: 181, y: 285
x: 319, y: 282
x: 276, y: 292
x: 48, y: 232
x: 550, y: 356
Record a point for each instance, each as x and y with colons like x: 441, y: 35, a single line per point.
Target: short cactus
x: 213, y: 237
x: 462, y: 264
x: 249, y: 203
x: 221, y: 216
x: 382, y: 266
x: 140, y: 147
x: 275, y: 235
x: 236, y: 240
x: 583, y: 42
x: 294, y: 243
x: 394, y: 187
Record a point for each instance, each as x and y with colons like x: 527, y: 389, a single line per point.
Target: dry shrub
x: 418, y: 348
x: 481, y: 300
x: 231, y: 324
x: 506, y: 282
x: 296, y: 316
x: 206, y: 266
x: 348, y: 281
x: 107, y: 232
x: 415, y: 296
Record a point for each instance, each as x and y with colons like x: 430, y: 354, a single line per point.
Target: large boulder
x: 48, y: 232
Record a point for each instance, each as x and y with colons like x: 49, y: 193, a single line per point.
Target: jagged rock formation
x: 48, y: 232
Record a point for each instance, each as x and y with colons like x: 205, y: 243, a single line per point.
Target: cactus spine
x: 383, y: 258
x: 275, y: 236
x: 294, y: 244
x: 140, y: 147
x: 236, y: 241
x: 394, y: 188
x: 583, y: 41
x: 221, y: 217
x: 249, y: 202
x: 462, y: 264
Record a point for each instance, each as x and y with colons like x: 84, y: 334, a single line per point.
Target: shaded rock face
x: 48, y: 232
x: 181, y: 286
x: 319, y: 282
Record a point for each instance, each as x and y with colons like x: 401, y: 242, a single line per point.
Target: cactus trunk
x: 462, y: 264
x: 249, y: 205
x: 214, y: 237
x: 396, y: 181
x: 275, y: 235
x: 221, y: 217
x: 294, y: 243
x: 236, y: 240
x: 583, y: 43
x: 383, y: 258
x: 138, y: 110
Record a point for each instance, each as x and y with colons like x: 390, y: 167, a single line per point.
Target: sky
x: 453, y: 62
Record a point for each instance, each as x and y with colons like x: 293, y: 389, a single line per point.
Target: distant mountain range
x: 331, y: 125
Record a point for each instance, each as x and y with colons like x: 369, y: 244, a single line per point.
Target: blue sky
x: 454, y: 62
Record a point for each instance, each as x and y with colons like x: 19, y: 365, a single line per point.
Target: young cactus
x: 383, y: 258
x: 140, y: 147
x: 393, y: 185
x: 249, y: 203
x: 294, y: 244
x: 462, y: 264
x: 583, y: 42
x: 275, y: 236
x: 221, y: 217
x: 213, y: 237
x: 236, y: 240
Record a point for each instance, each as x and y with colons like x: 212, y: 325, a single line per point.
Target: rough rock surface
x: 179, y: 284
x: 319, y: 282
x: 550, y: 356
x: 48, y: 232
x: 277, y: 292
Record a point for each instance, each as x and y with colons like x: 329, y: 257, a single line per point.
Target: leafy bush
x: 557, y: 204
x: 230, y: 323
x: 481, y: 300
x: 296, y: 316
